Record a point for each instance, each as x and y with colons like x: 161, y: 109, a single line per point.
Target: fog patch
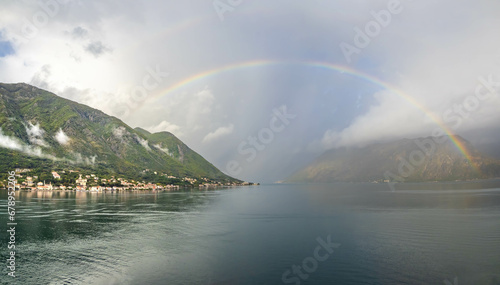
x: 35, y: 134
x: 165, y: 150
x: 61, y: 137
x: 143, y: 142
x: 14, y: 143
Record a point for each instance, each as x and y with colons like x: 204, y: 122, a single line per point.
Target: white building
x: 56, y: 175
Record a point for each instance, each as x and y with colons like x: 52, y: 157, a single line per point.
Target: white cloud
x: 165, y: 150
x: 81, y: 159
x: 439, y: 74
x: 35, y: 134
x: 97, y: 48
x: 143, y: 142
x: 15, y: 144
x: 9, y: 142
x: 218, y: 133
x: 61, y: 137
x: 164, y: 126
x: 189, y: 114
x: 438, y: 48
x: 392, y: 117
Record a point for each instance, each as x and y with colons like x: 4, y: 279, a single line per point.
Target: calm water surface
x: 423, y: 234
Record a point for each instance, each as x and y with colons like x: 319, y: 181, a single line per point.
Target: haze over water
x: 423, y: 234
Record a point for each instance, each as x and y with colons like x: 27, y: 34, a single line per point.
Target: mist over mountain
x: 411, y: 160
x: 491, y: 149
x: 40, y: 128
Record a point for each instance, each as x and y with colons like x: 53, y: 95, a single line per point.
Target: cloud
x: 15, y: 144
x: 41, y: 77
x: 97, y: 48
x: 435, y: 78
x: 218, y: 133
x: 187, y: 116
x: 9, y: 142
x: 143, y: 142
x: 436, y: 62
x: 78, y: 158
x: 391, y: 117
x: 61, y: 137
x: 79, y: 32
x: 35, y: 134
x: 165, y: 150
x: 164, y: 126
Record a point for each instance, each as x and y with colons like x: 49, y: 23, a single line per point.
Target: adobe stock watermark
x: 310, y: 264
x: 223, y: 6
x: 11, y: 224
x: 31, y: 26
x: 250, y: 148
x: 363, y: 37
x: 486, y: 89
x: 138, y: 94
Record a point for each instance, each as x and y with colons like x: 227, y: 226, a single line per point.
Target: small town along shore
x: 73, y: 180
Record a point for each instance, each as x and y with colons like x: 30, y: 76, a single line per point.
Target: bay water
x: 422, y: 233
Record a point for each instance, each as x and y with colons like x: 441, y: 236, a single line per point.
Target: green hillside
x: 39, y: 128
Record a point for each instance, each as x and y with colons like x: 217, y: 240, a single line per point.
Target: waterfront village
x: 93, y: 183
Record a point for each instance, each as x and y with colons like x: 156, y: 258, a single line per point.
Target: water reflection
x: 252, y: 235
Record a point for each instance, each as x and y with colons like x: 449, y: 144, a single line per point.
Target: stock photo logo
x: 250, y: 148
x: 46, y: 12
x: 137, y: 95
x: 311, y: 263
x: 364, y: 36
x: 224, y: 6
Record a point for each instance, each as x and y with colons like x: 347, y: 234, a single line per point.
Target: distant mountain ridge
x: 410, y: 160
x: 37, y: 126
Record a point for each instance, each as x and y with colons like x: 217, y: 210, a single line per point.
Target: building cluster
x: 93, y: 183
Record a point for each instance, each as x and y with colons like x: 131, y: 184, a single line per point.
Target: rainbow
x: 330, y: 67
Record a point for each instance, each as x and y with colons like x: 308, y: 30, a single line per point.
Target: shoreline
x: 158, y: 189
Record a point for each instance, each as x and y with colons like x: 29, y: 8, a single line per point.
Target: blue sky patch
x: 5, y: 49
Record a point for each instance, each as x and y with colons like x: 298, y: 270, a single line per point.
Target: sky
x: 261, y: 88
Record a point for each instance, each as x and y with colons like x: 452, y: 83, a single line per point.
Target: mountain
x: 491, y: 149
x: 422, y: 159
x: 40, y: 129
